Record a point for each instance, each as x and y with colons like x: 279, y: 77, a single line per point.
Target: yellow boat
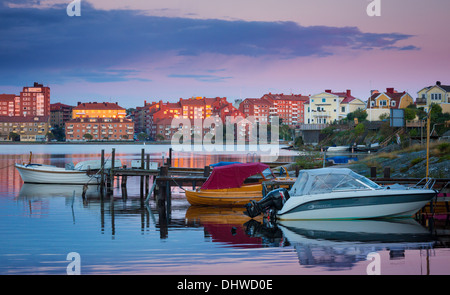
x: 225, y: 186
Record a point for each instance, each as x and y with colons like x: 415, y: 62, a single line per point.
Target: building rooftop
x: 98, y: 106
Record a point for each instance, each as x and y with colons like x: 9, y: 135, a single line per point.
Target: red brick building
x: 99, y: 121
x: 151, y: 117
x: 109, y: 129
x: 7, y: 104
x: 32, y: 106
x: 32, y: 102
x: 290, y: 108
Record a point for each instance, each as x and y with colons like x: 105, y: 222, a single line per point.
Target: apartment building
x: 27, y: 128
x: 98, y: 110
x: 104, y: 129
x: 329, y: 106
x: 151, y: 116
x: 26, y: 114
x: 7, y: 103
x: 60, y: 114
x: 99, y: 121
x: 288, y: 107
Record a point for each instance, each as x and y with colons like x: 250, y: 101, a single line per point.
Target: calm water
x: 41, y: 224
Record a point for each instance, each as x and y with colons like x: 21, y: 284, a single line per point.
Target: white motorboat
x: 96, y: 165
x: 341, y: 148
x: 340, y: 193
x: 38, y: 173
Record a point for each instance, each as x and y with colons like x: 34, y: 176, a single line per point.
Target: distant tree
x: 142, y: 136
x: 159, y: 137
x: 361, y: 115
x: 410, y: 114
x: 49, y: 136
x: 14, y: 136
x: 439, y: 119
x: 88, y: 136
x: 58, y: 132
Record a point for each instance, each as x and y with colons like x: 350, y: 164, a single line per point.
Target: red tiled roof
x: 98, y: 106
x: 257, y: 101
x: 7, y: 97
x: 282, y: 96
x: 59, y: 106
x: 20, y: 119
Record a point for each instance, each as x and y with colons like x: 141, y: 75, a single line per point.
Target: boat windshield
x: 268, y: 174
x: 310, y: 182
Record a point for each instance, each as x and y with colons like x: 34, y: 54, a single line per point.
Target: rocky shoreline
x: 405, y: 163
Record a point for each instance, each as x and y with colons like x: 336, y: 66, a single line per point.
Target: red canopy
x: 232, y: 176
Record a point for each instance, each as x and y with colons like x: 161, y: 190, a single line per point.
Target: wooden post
x: 373, y: 172
x: 142, y: 177
x: 387, y: 172
x: 162, y: 185
x: 102, y: 173
x: 169, y: 160
x: 111, y: 172
x: 124, y: 185
x: 147, y: 177
x: 207, y: 171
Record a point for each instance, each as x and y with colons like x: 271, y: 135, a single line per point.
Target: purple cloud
x: 59, y: 47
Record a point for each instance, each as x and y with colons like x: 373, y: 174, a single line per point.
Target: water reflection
x: 330, y: 245
x: 228, y: 226
x: 339, y: 245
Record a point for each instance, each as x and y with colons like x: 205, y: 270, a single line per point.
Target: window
x: 383, y: 103
x: 393, y: 103
x: 343, y: 109
x: 436, y: 96
x: 324, y: 100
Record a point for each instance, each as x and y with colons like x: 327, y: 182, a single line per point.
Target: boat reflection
x: 341, y: 244
x: 228, y: 225
x: 40, y: 191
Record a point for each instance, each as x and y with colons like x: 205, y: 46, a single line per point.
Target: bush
x: 359, y: 129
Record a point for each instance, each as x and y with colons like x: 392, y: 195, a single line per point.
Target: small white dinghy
x: 39, y: 173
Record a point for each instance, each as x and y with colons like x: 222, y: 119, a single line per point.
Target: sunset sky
x: 131, y: 51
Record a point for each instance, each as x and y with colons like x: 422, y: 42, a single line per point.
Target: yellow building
x: 438, y: 94
x: 380, y: 103
x: 98, y: 110
x: 328, y: 106
x: 28, y: 128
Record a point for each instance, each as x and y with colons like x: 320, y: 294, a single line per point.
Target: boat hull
x: 234, y: 197
x: 402, y: 203
x: 54, y: 175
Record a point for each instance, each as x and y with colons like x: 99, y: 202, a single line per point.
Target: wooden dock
x: 159, y: 182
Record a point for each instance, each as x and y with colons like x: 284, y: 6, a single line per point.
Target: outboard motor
x: 270, y: 204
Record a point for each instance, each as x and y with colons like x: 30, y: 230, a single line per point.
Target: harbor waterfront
x: 44, y: 225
